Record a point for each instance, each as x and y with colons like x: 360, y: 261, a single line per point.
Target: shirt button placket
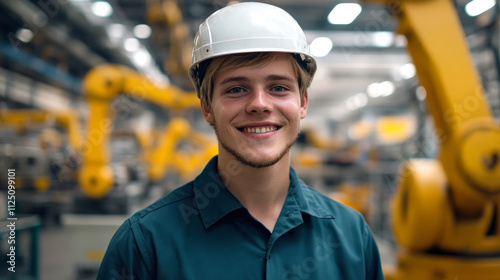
x: 269, y: 269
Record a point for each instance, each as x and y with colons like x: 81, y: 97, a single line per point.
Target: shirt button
x: 269, y: 256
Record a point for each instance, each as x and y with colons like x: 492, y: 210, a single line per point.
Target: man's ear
x: 207, y: 112
x: 303, y: 105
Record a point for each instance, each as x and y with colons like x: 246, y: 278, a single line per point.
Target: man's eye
x: 235, y: 90
x: 279, y: 88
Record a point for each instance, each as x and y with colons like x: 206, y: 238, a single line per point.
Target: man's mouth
x: 259, y: 129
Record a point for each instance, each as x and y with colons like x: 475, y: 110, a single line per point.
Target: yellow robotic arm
x: 23, y: 117
x: 469, y: 135
x: 165, y: 154
x: 450, y: 206
x: 101, y: 85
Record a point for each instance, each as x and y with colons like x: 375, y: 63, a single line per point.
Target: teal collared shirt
x: 201, y: 231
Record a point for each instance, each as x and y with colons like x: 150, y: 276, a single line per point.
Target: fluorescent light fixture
x: 102, y: 9
x: 131, y: 44
x: 381, y: 89
x: 344, y: 13
x: 407, y: 71
x: 24, y: 35
x: 141, y: 58
x: 321, y: 46
x: 142, y: 31
x: 386, y: 88
x: 383, y: 39
x: 477, y: 7
x: 373, y: 90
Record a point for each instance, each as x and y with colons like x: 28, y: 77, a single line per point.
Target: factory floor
x: 58, y: 262
x: 56, y: 257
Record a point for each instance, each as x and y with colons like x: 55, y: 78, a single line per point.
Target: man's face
x: 256, y: 111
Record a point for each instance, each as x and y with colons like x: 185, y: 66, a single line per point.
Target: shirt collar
x: 306, y: 198
x: 214, y: 200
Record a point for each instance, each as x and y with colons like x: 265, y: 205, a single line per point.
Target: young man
x: 247, y: 215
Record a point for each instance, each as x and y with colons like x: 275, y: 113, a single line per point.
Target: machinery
x: 101, y: 86
x: 167, y: 15
x: 42, y: 147
x: 447, y: 211
x: 166, y: 155
x: 48, y: 162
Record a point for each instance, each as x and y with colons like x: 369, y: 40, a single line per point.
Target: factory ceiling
x: 76, y: 35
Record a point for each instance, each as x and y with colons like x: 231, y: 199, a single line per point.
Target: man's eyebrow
x: 268, y: 78
x: 235, y: 79
x: 280, y: 78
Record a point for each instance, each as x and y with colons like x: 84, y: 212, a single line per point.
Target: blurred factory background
x: 98, y: 117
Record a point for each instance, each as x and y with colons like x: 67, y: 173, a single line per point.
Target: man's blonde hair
x: 247, y: 59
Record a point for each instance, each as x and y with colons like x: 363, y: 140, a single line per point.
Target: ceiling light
x: 131, y: 44
x: 407, y: 71
x: 321, y: 46
x: 383, y: 39
x: 373, y: 90
x: 141, y: 58
x: 142, y: 31
x: 344, y: 13
x: 380, y: 89
x: 386, y: 88
x: 24, y: 35
x: 102, y: 9
x: 477, y: 7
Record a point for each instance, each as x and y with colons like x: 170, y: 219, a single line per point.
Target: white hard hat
x: 244, y: 28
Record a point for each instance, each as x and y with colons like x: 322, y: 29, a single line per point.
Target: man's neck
x: 261, y: 190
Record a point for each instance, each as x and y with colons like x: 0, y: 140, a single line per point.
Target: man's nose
x: 259, y: 102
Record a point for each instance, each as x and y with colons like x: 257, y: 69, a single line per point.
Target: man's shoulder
x: 167, y: 205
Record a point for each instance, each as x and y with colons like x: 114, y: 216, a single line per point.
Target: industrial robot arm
x: 67, y: 119
x: 469, y: 135
x: 101, y: 85
x: 166, y: 155
x: 450, y: 206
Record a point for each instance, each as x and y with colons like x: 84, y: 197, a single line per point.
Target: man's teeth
x: 259, y: 129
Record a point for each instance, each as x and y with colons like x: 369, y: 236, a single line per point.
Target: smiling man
x: 247, y: 215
